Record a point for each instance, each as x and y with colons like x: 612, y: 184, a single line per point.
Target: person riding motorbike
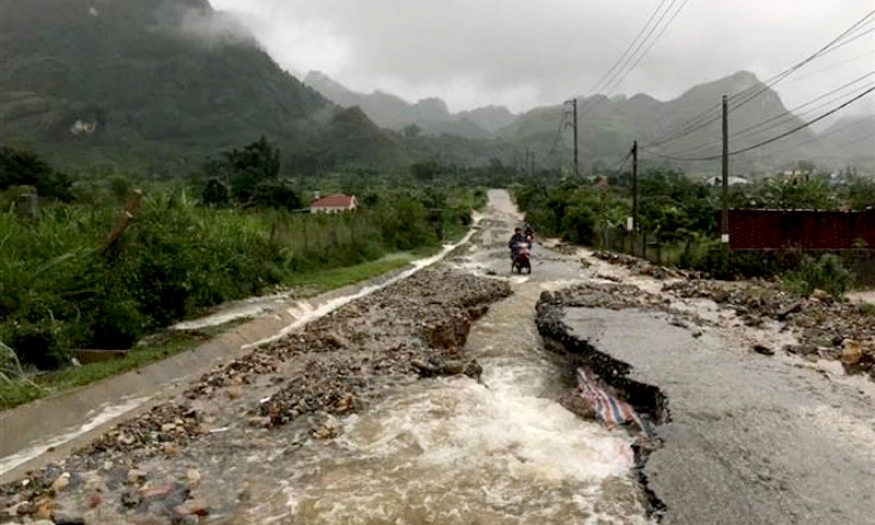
x: 515, y: 241
x: 529, y: 234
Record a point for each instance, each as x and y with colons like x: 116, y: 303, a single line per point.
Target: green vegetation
x: 678, y: 220
x: 20, y: 391
x: 317, y: 282
x: 66, y: 282
x: 827, y: 274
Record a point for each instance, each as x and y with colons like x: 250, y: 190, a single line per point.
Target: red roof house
x: 334, y: 204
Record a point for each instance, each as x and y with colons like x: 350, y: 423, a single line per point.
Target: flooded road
x: 458, y: 451
x: 328, y: 423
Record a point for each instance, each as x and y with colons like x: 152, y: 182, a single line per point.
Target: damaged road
x: 436, y: 400
x: 743, y: 439
x: 171, y: 464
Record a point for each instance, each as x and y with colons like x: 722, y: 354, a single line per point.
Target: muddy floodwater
x: 452, y: 451
x: 330, y: 424
x: 458, y: 451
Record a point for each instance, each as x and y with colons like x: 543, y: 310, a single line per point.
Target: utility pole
x: 635, y: 197
x: 724, y: 226
x: 533, y: 163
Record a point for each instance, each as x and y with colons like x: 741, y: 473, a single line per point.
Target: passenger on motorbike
x: 517, y: 239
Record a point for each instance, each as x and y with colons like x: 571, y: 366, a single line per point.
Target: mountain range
x: 161, y: 84
x: 608, y: 126
x: 430, y: 115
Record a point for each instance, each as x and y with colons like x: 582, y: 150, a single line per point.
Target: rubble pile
x: 614, y: 296
x: 825, y: 328
x: 334, y: 366
x: 645, y: 267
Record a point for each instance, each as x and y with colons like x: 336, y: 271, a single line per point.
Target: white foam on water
x: 454, y: 451
x: 303, y: 311
x: 37, y: 449
x: 251, y: 307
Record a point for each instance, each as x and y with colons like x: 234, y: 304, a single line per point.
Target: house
x: 334, y: 204
x: 734, y: 180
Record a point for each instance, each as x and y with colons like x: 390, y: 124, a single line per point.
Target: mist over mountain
x: 431, y: 115
x: 161, y: 84
x: 150, y: 82
x: 608, y: 127
x: 849, y: 140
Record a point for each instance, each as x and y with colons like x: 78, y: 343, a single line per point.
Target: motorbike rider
x: 529, y: 235
x: 517, y: 239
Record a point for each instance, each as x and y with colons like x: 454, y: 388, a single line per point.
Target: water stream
x: 457, y: 452
x: 452, y: 451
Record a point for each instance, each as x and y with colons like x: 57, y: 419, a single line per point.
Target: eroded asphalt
x: 751, y: 439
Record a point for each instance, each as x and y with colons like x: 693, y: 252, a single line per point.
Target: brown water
x: 455, y: 451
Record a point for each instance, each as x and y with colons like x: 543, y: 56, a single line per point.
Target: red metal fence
x: 801, y: 229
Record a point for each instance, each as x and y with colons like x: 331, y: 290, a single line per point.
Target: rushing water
x: 452, y: 451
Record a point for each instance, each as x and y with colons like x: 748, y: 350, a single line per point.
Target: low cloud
x: 523, y: 53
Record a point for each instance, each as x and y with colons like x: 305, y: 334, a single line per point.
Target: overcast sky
x: 526, y: 53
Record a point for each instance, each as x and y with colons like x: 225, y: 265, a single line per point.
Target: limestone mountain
x: 607, y: 127
x: 155, y: 82
x: 849, y: 140
x: 490, y: 118
x: 430, y: 115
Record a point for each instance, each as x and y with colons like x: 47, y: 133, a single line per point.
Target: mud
x: 820, y: 327
x: 157, y: 468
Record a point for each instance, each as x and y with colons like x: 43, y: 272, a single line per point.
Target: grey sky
x: 525, y: 53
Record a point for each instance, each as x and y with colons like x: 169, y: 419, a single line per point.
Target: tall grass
x: 61, y: 289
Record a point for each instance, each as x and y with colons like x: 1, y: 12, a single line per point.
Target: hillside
x: 431, y: 115
x: 155, y: 83
x: 850, y: 140
x: 609, y: 126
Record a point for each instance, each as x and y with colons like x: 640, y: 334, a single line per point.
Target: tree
x: 275, y: 194
x: 427, y: 171
x: 24, y: 168
x: 254, y: 164
x: 216, y: 194
x: 411, y: 132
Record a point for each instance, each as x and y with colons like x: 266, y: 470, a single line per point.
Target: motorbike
x: 521, y: 259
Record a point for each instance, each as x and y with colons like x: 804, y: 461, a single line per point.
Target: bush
x: 827, y: 274
x: 60, y: 289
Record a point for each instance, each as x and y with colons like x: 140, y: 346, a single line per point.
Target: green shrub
x: 827, y: 273
x: 60, y: 289
x: 38, y: 343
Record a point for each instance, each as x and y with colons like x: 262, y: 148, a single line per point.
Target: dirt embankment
x: 823, y: 327
x: 156, y: 468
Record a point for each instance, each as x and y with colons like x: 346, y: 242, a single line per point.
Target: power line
x: 621, y: 165
x: 703, y: 119
x: 603, y: 80
x: 782, y: 118
x: 832, y: 46
x: 867, y: 54
x: 558, y: 132
x: 771, y: 140
x: 626, y: 69
x: 653, y: 42
x: 830, y: 132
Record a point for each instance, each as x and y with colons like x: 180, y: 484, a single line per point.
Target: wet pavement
x: 752, y: 439
x: 331, y: 423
